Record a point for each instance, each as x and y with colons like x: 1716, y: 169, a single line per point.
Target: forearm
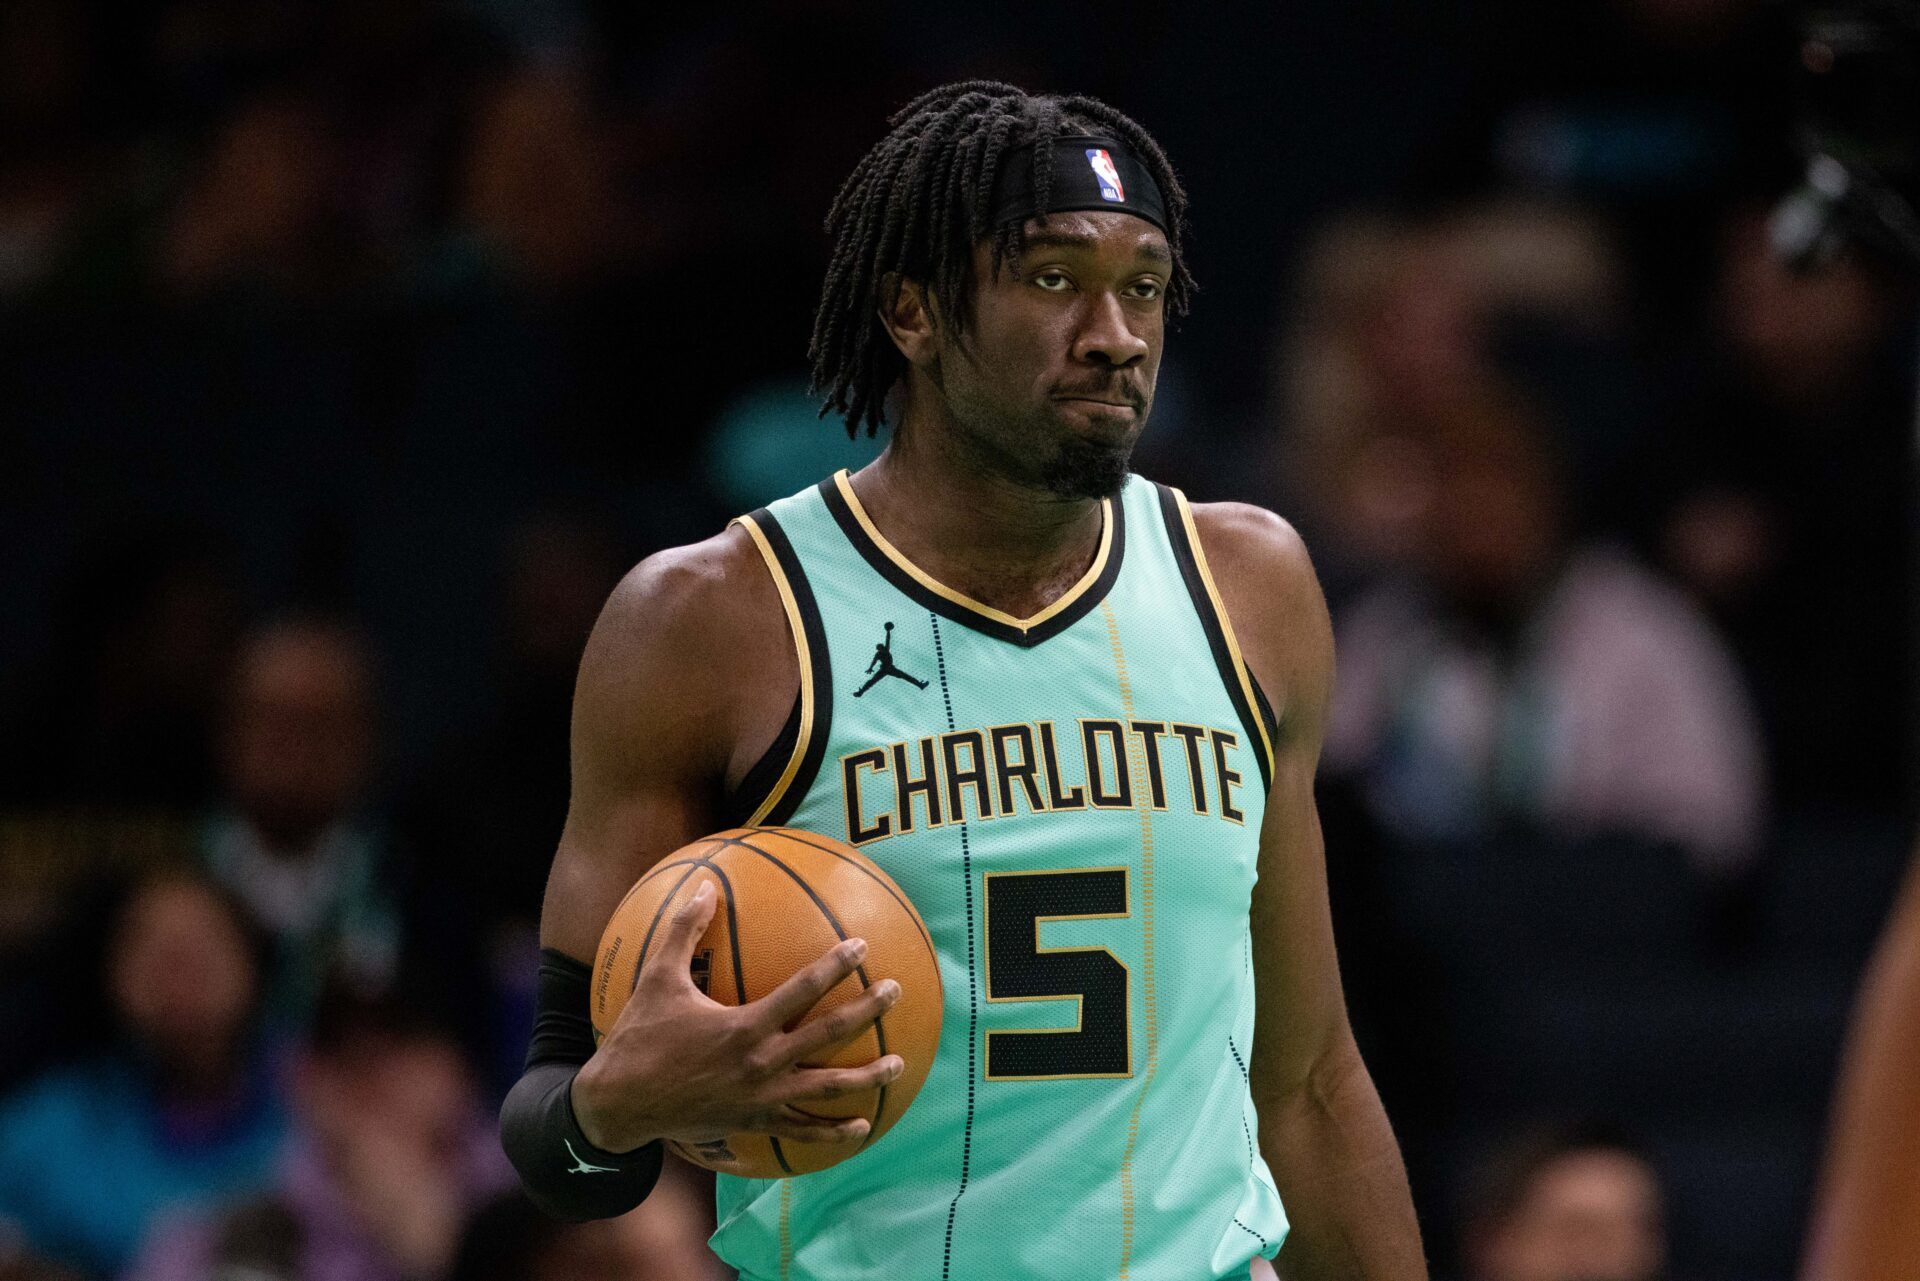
x: 1338, y: 1168
x: 563, y: 1173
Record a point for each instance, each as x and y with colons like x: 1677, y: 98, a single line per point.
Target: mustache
x: 1122, y: 390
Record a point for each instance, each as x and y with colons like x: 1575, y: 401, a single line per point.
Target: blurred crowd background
x: 353, y: 350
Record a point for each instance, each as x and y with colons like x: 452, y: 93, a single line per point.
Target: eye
x: 1147, y: 290
x: 1054, y: 281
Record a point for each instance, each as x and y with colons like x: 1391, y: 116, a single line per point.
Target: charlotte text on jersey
x: 1001, y: 767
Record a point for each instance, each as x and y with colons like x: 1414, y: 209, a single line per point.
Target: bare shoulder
x: 687, y: 674
x: 687, y: 652
x: 683, y: 587
x: 1273, y: 599
x: 1252, y: 539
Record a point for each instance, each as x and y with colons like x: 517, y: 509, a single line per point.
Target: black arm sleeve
x: 563, y: 1173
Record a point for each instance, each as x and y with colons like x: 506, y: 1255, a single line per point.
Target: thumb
x: 673, y: 960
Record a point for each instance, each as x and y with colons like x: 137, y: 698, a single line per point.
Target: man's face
x: 299, y: 732
x: 1055, y: 378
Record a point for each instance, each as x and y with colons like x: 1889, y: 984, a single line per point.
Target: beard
x: 1012, y: 441
x: 1086, y: 469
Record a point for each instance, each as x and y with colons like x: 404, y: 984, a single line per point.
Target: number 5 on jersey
x: 1099, y: 1044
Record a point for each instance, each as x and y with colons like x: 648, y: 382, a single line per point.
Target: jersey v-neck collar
x: 891, y: 564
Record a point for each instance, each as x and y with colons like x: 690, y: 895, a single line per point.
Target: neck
x: 973, y: 526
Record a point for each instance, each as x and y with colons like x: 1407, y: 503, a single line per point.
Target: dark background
x: 436, y: 316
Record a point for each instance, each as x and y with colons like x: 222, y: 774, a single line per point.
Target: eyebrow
x: 1152, y: 250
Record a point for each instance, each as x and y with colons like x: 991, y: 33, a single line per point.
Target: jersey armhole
x: 1267, y: 717
x: 774, y: 785
x: 757, y: 785
x: 1248, y: 699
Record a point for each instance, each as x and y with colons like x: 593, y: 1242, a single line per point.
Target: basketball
x: 785, y: 897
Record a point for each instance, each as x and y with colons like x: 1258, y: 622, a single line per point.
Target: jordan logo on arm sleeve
x: 581, y: 1167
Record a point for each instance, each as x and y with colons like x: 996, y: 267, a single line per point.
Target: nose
x: 1105, y: 337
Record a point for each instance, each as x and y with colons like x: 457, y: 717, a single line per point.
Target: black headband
x: 1088, y: 173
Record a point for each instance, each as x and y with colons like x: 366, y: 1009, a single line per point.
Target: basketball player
x: 1073, y: 715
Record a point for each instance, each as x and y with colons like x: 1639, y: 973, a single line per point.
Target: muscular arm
x: 1868, y: 1223
x: 1322, y: 1129
x: 664, y: 721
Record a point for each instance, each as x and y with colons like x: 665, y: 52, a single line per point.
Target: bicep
x: 610, y: 847
x: 651, y: 740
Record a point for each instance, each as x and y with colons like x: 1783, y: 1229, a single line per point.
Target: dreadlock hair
x: 917, y: 204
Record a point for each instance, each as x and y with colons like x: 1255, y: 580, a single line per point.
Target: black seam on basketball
x: 879, y: 1023
x: 798, y: 837
x: 973, y: 980
x: 661, y: 867
x: 654, y: 924
x: 739, y: 971
x: 801, y: 882
x: 690, y: 852
x: 733, y: 929
x: 779, y: 1155
x: 1211, y: 624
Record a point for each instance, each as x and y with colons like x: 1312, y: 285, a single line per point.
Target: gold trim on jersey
x: 1123, y: 763
x: 797, y: 626
x: 1226, y: 629
x: 938, y: 588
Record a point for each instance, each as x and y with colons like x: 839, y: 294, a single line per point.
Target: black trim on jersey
x: 1217, y: 638
x: 1267, y: 717
x: 764, y: 775
x: 1084, y: 604
x: 765, y: 772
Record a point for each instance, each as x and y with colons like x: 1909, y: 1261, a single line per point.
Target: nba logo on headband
x: 1015, y: 200
x: 1109, y: 177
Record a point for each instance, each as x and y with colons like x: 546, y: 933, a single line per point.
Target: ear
x: 908, y: 316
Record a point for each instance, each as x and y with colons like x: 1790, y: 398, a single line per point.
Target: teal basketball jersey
x: 1072, y: 801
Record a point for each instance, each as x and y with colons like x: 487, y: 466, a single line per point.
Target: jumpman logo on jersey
x: 883, y: 660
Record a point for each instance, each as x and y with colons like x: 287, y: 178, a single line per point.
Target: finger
x: 833, y: 1083
x: 789, y: 1003
x: 841, y: 1023
x: 674, y: 956
x: 790, y: 1123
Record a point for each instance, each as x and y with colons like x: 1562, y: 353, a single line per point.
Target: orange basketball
x: 785, y: 897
